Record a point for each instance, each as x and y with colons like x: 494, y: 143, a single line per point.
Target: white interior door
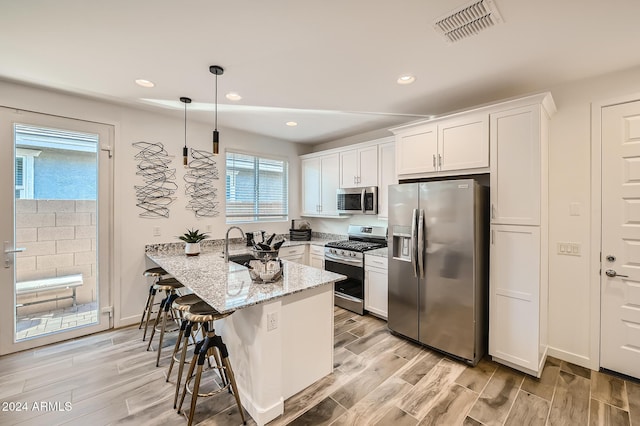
x: 620, y: 277
x: 55, y: 228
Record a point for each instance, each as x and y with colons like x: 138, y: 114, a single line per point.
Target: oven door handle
x: 341, y: 259
x: 347, y: 297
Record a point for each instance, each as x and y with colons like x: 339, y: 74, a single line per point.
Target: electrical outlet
x: 156, y: 231
x: 272, y: 321
x: 209, y: 228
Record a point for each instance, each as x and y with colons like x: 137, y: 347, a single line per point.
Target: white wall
x: 570, y: 175
x: 131, y: 231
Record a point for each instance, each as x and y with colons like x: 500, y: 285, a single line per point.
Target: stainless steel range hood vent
x: 468, y: 20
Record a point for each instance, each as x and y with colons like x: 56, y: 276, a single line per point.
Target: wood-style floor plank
x: 570, y: 401
x: 451, y: 408
x: 602, y: 414
x: 609, y: 389
x: 429, y: 389
x: 545, y: 385
x: 528, y: 409
x: 496, y: 399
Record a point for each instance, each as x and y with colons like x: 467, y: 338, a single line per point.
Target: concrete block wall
x: 60, y: 239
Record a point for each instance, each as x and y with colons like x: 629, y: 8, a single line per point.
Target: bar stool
x: 156, y: 273
x: 169, y: 286
x: 182, y: 305
x: 212, y: 345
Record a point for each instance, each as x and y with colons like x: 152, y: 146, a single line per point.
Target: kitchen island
x: 280, y: 336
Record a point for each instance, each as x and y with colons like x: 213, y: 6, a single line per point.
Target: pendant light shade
x: 185, y: 150
x: 216, y: 70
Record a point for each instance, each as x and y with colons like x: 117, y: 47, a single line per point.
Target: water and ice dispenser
x: 402, y: 244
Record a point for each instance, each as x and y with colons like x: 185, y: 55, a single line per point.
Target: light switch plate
x: 569, y: 249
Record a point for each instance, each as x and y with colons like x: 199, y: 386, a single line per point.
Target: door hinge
x: 107, y: 310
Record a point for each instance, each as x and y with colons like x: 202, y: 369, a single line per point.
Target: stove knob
x: 352, y: 254
x: 342, y: 252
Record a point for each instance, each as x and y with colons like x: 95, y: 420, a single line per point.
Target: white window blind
x: 256, y: 188
x: 20, y: 189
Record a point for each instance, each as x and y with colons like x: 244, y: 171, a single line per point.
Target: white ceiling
x: 330, y: 65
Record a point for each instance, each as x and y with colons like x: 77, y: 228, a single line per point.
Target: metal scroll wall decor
x: 199, y: 177
x: 155, y: 196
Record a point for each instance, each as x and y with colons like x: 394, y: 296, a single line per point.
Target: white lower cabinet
x: 294, y: 253
x: 316, y: 256
x: 517, y: 300
x: 376, y: 285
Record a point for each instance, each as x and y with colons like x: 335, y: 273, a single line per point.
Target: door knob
x: 611, y: 273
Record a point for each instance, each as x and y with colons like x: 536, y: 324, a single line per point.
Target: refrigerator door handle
x: 414, y: 245
x: 421, y: 245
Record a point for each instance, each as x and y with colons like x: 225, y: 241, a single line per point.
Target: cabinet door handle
x: 439, y: 160
x: 493, y: 211
x: 434, y: 161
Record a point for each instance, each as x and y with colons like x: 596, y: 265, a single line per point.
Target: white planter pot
x: 192, y: 249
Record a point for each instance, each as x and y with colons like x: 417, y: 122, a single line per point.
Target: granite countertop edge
x: 228, y: 287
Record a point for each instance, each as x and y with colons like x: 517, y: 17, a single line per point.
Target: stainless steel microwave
x: 358, y: 200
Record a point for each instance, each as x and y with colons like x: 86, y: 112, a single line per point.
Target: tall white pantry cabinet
x: 519, y: 257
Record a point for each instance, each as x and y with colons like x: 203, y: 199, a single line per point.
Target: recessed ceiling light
x: 292, y: 123
x: 406, y: 79
x: 144, y: 83
x: 233, y: 96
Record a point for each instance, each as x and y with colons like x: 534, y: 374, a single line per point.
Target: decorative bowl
x: 262, y: 271
x: 265, y: 255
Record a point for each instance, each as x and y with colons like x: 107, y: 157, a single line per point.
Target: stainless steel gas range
x: 346, y: 257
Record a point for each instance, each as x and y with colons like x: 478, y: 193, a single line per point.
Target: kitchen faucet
x: 226, y: 242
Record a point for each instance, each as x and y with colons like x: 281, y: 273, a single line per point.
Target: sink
x: 241, y: 259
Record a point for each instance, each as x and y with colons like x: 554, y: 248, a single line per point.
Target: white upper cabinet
x: 320, y: 177
x: 516, y: 166
x: 463, y: 143
x: 387, y: 173
x: 356, y: 167
x: 457, y: 145
x: 416, y: 149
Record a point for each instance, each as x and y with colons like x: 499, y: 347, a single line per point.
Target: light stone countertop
x: 228, y: 286
x: 381, y: 252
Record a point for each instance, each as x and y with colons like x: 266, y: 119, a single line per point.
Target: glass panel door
x: 56, y: 192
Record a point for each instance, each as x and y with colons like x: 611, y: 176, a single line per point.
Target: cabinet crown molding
x: 344, y: 148
x: 545, y: 99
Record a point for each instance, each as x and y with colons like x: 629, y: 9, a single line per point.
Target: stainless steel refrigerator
x: 438, y: 265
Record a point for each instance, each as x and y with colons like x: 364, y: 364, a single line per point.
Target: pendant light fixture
x: 216, y: 70
x: 185, y: 150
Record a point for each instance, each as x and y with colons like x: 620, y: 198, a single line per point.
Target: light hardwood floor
x: 379, y: 379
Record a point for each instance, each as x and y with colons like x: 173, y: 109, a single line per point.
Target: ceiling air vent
x: 468, y: 20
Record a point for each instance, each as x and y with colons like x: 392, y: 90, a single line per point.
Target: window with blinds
x: 257, y: 188
x: 20, y: 188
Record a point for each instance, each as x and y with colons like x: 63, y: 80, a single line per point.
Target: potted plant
x: 192, y: 238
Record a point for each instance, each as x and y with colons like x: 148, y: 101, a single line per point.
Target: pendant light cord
x: 216, y: 102
x: 185, y: 124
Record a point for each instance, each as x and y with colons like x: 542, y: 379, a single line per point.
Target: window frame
x: 257, y: 218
